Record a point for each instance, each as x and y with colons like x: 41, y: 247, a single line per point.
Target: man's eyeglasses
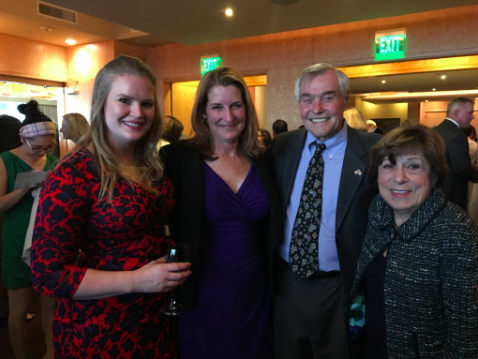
x: 38, y: 149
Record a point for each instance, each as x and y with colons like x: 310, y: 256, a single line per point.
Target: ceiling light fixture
x: 46, y: 28
x: 70, y: 41
x: 229, y: 12
x: 383, y: 81
x: 443, y: 77
x: 283, y: 2
x: 434, y: 89
x: 421, y: 95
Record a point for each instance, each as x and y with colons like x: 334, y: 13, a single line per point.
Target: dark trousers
x: 309, y: 318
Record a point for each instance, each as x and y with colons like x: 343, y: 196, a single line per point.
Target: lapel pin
x: 358, y: 172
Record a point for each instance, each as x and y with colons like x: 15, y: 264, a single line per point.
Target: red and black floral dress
x: 122, y: 237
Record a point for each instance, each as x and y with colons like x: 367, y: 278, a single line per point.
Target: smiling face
x: 225, y: 114
x: 321, y: 105
x: 129, y: 109
x: 405, y: 185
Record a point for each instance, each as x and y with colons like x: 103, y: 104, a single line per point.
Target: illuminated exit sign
x: 209, y: 64
x: 390, y: 45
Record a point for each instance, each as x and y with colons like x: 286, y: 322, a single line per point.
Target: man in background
x: 278, y: 127
x: 459, y: 114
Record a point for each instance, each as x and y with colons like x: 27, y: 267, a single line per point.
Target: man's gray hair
x: 458, y: 102
x: 319, y: 69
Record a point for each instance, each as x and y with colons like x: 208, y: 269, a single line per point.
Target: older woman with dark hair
x: 228, y: 214
x: 418, y: 268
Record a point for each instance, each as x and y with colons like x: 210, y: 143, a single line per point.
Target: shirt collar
x: 449, y: 119
x: 331, y: 143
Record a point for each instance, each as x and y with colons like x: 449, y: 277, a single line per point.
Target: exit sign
x: 209, y: 64
x: 390, y: 45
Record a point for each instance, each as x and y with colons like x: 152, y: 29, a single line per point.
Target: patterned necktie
x: 303, y: 252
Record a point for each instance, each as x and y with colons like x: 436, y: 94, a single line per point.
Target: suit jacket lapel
x: 291, y: 164
x: 353, y: 173
x: 193, y: 190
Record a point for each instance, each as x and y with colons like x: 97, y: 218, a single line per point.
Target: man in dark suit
x: 459, y: 114
x: 311, y: 312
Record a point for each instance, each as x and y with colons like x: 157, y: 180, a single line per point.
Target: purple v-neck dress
x: 232, y: 316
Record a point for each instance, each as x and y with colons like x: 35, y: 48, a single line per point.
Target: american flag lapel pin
x: 358, y: 172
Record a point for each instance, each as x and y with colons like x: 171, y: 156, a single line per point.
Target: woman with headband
x: 37, y: 135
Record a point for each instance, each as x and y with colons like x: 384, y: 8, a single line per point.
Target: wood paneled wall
x: 282, y: 56
x: 24, y: 58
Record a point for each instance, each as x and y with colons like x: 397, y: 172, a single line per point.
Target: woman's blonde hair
x: 202, y: 139
x: 78, y: 125
x: 355, y: 119
x: 145, y: 154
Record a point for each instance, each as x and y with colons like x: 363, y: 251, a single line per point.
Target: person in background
x: 418, y: 267
x: 37, y: 137
x: 321, y: 172
x: 228, y: 213
x: 473, y: 133
x: 9, y: 139
x: 278, y: 127
x: 173, y: 129
x: 265, y: 137
x: 355, y: 119
x: 99, y: 242
x: 74, y: 126
x: 372, y: 127
x: 407, y: 123
x: 460, y: 169
x: 472, y: 145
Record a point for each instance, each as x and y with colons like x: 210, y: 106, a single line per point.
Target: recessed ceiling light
x: 383, y: 81
x: 426, y: 100
x: 229, y: 12
x: 70, y: 41
x: 434, y: 89
x: 46, y: 28
x: 443, y: 77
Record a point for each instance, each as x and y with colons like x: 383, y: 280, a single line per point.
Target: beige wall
x: 31, y: 59
x: 182, y: 104
x: 282, y: 56
x: 393, y: 110
x: 261, y: 106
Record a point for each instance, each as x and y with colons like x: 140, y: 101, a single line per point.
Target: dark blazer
x: 460, y: 170
x: 355, y: 192
x: 430, y: 279
x: 184, y: 166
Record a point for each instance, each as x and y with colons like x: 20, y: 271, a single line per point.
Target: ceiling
x: 421, y: 82
x: 190, y: 22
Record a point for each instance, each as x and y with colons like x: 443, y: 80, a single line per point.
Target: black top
x: 376, y: 338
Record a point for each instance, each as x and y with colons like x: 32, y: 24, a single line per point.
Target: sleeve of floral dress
x: 459, y: 276
x: 61, y: 218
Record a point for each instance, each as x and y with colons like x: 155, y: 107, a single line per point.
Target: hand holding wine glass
x: 178, y: 253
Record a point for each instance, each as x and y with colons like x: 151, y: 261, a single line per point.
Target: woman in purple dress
x: 228, y: 214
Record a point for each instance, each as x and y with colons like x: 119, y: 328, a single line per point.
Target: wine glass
x: 177, y: 253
